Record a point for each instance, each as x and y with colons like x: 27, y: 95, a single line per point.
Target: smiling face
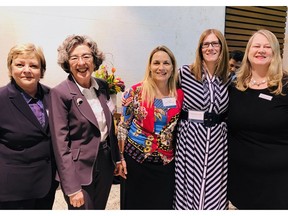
x: 26, y: 71
x: 161, y: 67
x: 211, y: 48
x: 260, y: 52
x: 81, y: 65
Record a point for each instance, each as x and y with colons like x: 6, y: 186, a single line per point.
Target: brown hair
x: 70, y: 43
x: 222, y: 63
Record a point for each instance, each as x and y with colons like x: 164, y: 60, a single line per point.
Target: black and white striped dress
x: 201, y: 152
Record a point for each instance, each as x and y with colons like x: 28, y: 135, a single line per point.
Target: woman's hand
x: 77, y: 200
x: 121, y: 169
x: 125, y: 101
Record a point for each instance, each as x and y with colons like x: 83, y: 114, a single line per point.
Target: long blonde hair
x: 149, y: 85
x: 275, y: 70
x: 222, y: 63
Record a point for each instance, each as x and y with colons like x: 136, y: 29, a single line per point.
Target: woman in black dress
x: 258, y: 129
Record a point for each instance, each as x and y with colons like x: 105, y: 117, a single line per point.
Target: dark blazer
x: 25, y: 147
x: 76, y: 135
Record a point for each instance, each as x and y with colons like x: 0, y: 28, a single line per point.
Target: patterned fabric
x: 37, y: 108
x: 36, y: 105
x: 201, y: 152
x: 148, y: 130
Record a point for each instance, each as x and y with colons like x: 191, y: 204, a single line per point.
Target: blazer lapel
x: 80, y: 102
x: 103, y: 95
x: 18, y: 101
x: 46, y: 102
x: 103, y: 101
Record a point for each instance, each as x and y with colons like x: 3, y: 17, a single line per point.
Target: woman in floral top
x: 145, y: 134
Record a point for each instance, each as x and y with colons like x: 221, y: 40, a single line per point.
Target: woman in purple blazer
x: 82, y: 127
x: 27, y: 166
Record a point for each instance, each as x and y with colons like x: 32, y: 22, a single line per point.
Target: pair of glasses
x: 84, y: 57
x: 213, y: 44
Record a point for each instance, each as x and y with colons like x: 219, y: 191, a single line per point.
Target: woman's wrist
x: 122, y: 156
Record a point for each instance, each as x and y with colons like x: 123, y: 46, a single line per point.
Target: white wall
x: 126, y: 34
x: 129, y: 33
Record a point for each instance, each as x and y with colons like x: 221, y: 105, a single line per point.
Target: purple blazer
x: 75, y: 133
x: 25, y: 147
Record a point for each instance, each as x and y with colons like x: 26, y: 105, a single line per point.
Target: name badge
x: 169, y: 102
x: 266, y: 97
x: 196, y: 116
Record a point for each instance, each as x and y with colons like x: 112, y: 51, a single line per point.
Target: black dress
x: 258, y: 149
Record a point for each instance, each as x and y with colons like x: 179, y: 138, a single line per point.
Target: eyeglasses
x: 84, y: 57
x: 213, y: 44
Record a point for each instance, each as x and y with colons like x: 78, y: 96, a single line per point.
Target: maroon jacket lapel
x: 81, y: 102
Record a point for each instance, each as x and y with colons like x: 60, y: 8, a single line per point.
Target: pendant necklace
x: 254, y: 82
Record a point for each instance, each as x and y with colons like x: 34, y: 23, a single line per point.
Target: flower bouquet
x: 116, y: 84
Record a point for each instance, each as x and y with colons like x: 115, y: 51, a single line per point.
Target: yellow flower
x: 115, y: 84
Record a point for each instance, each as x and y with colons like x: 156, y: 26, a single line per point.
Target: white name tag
x: 196, y: 115
x: 169, y: 102
x: 266, y: 97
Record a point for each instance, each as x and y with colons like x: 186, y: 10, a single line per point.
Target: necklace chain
x: 254, y: 82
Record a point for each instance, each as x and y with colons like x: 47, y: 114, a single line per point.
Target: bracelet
x: 119, y: 162
x: 121, y: 156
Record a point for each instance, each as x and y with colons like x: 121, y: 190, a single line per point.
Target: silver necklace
x: 254, y: 82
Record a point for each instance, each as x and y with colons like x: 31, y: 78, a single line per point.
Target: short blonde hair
x: 27, y: 49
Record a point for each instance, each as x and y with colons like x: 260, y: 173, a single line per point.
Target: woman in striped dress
x: 201, y: 149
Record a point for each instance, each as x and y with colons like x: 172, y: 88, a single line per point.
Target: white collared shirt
x: 96, y: 107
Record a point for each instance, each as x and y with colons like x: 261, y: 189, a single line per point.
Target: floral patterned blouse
x: 148, y: 131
